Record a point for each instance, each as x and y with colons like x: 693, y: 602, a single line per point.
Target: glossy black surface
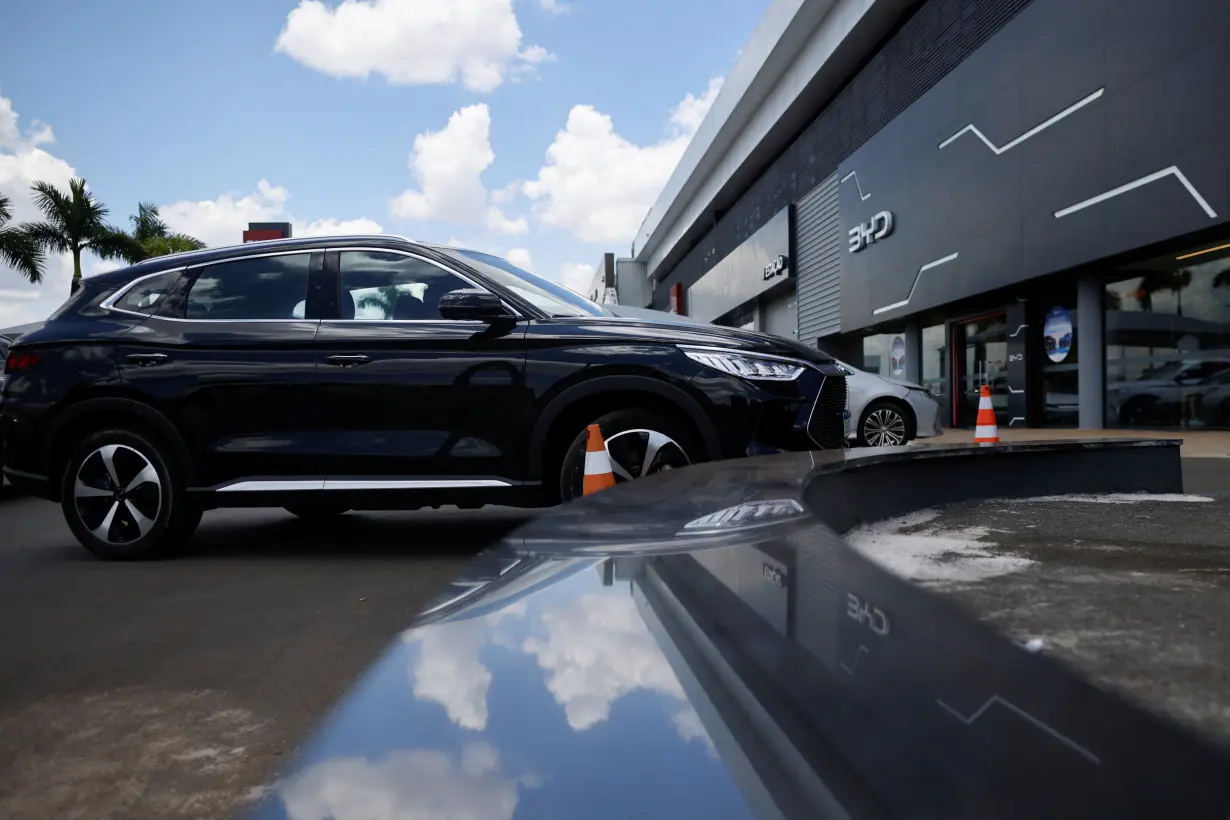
x: 336, y: 363
x: 702, y: 643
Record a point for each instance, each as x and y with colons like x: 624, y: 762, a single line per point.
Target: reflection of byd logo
x: 868, y: 614
x: 880, y: 226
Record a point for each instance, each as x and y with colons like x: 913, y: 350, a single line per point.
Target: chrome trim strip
x: 275, y: 485
x: 319, y: 484
x: 412, y: 484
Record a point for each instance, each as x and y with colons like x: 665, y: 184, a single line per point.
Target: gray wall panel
x: 818, y: 247
x: 1137, y: 80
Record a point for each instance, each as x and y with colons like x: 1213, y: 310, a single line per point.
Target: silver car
x: 882, y: 412
x: 885, y: 412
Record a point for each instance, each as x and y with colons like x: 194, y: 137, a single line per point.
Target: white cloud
x: 448, y: 671
x: 22, y: 163
x: 576, y: 275
x: 598, y: 185
x: 411, y: 42
x: 222, y: 221
x: 448, y: 166
x: 597, y: 649
x: 552, y: 6
x: 521, y: 258
x: 405, y: 784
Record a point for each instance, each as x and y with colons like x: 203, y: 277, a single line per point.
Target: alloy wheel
x: 884, y: 427
x: 637, y: 453
x: 117, y: 494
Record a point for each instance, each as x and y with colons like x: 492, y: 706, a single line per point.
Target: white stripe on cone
x: 598, y: 463
x: 986, y: 432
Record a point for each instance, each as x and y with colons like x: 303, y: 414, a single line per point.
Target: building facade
x: 1028, y: 194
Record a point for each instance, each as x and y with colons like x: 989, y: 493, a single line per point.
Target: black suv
x: 336, y: 373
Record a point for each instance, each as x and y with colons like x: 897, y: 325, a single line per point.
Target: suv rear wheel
x: 122, y: 499
x: 639, y: 442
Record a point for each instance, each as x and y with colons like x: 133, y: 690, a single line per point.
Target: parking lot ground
x: 176, y: 688
x: 1134, y: 593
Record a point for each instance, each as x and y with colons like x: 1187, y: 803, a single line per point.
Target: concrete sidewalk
x: 1196, y: 443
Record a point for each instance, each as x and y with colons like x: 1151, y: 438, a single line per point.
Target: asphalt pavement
x: 176, y: 688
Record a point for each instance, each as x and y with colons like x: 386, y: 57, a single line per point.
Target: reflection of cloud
x: 688, y: 725
x: 448, y: 670
x: 406, y: 784
x: 596, y: 650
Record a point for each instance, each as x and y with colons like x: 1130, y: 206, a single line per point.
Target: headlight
x: 746, y: 365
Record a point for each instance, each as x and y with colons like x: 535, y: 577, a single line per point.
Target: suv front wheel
x: 638, y: 442
x: 122, y: 499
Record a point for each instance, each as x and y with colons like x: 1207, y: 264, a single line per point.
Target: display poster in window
x: 896, y: 357
x: 1057, y: 334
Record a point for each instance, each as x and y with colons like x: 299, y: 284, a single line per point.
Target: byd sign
x: 880, y: 226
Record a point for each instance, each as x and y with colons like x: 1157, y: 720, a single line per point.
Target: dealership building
x: 1028, y: 194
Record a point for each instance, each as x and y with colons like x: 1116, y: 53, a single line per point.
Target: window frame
x: 333, y: 288
x: 179, y: 294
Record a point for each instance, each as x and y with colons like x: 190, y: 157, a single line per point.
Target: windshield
x: 555, y: 299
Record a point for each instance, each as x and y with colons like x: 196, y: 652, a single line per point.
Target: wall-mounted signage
x: 878, y: 227
x: 777, y: 267
x: 1057, y: 334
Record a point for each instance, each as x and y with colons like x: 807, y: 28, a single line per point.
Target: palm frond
x: 19, y: 251
x: 112, y: 243
x: 174, y: 243
x: 49, y: 237
x: 55, y: 205
x: 6, y: 210
x: 147, y: 222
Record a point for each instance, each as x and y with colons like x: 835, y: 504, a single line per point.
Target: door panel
x: 410, y: 394
x: 240, y: 390
x: 982, y: 358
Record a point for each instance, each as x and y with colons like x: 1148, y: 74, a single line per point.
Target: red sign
x: 677, y: 301
x: 260, y: 236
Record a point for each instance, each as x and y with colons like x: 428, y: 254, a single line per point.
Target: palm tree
x: 17, y: 249
x: 155, y: 238
x: 74, y: 222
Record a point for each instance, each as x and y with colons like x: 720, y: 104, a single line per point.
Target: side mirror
x: 472, y: 304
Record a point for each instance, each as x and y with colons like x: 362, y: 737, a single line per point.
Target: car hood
x: 640, y: 327
x: 701, y: 644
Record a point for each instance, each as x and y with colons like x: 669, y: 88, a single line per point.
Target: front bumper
x: 926, y: 413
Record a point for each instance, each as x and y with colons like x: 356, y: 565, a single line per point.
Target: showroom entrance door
x: 980, y: 352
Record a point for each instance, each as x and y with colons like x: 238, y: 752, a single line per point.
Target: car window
x: 552, y: 298
x: 378, y: 286
x: 267, y: 287
x: 146, y: 295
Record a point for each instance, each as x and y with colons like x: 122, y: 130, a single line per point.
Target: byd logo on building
x: 776, y: 268
x: 880, y: 226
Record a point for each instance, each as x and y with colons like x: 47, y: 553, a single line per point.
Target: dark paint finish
x: 703, y: 643
x: 426, y: 403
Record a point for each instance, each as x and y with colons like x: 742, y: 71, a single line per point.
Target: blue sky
x: 553, y: 143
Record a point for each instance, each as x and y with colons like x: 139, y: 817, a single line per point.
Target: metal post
x: 1091, y: 348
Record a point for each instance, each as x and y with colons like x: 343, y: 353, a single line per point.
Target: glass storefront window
x: 1168, y: 343
x: 1060, y: 365
x: 935, y: 369
x: 884, y: 354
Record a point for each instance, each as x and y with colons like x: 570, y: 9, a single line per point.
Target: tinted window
x: 548, y: 296
x: 378, y: 286
x: 269, y: 287
x: 146, y: 296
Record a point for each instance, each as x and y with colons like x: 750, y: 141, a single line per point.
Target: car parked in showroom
x: 372, y: 372
x: 882, y: 411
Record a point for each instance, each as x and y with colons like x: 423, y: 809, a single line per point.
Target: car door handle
x: 146, y: 359
x: 347, y: 360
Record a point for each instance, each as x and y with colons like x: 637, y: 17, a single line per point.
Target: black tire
x: 143, y: 516
x: 687, y: 449
x: 885, y: 419
x: 316, y: 511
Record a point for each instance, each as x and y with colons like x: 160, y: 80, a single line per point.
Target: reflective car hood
x: 701, y: 644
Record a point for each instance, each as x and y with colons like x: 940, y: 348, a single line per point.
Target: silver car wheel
x: 637, y: 453
x: 117, y: 494
x: 884, y: 427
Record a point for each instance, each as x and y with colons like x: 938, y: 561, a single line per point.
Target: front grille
x: 827, y: 426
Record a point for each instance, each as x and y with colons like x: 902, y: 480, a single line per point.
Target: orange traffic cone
x: 598, y: 475
x: 985, y: 431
